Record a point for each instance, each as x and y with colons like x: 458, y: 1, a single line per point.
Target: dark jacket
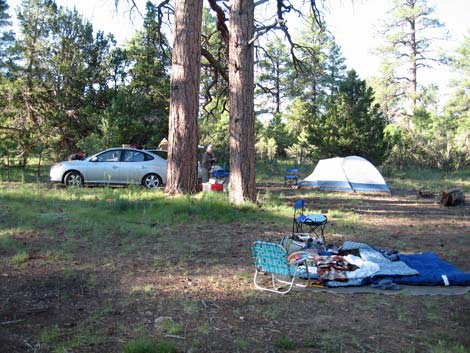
x: 207, y: 160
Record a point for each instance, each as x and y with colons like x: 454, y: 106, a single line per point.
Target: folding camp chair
x: 220, y: 174
x: 291, y: 177
x: 272, y: 258
x: 316, y: 222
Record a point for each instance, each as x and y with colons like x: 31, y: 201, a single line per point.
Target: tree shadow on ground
x: 93, y: 287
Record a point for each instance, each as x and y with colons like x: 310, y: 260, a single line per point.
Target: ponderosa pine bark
x: 183, y: 132
x: 241, y: 98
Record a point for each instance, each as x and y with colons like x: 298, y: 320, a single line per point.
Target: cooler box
x: 206, y: 187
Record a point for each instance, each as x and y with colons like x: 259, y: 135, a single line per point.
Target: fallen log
x: 452, y: 197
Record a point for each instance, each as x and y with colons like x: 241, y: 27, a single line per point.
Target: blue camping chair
x: 271, y: 258
x: 316, y: 222
x: 220, y: 174
x: 291, y: 177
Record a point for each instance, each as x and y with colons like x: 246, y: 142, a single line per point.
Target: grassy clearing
x: 62, y: 222
x: 426, y: 179
x: 101, y: 214
x: 53, y: 206
x: 88, y: 210
x: 107, y: 263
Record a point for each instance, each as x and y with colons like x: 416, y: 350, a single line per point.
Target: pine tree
x: 140, y: 109
x: 274, y: 77
x: 183, y: 132
x: 8, y: 133
x: 310, y: 81
x: 242, y: 117
x: 354, y: 124
x: 7, y: 39
x: 409, y: 34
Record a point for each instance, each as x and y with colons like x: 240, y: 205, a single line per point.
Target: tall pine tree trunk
x: 183, y: 132
x: 241, y: 97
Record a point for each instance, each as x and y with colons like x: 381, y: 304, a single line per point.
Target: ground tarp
x: 404, y: 290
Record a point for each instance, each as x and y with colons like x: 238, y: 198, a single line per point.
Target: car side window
x: 162, y: 154
x: 109, y: 156
x: 135, y: 156
x: 148, y: 157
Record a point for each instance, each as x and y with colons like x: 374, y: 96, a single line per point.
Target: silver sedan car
x: 121, y: 166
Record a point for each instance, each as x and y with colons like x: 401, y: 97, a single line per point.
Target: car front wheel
x: 152, y: 181
x: 73, y: 180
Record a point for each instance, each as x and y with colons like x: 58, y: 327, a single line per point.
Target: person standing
x: 207, y: 163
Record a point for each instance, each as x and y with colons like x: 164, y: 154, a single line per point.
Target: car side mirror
x: 94, y: 159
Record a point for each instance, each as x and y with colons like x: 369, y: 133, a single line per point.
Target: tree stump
x: 452, y: 197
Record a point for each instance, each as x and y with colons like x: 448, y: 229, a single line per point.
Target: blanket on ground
x: 370, y: 254
x: 416, y: 269
x: 432, y: 270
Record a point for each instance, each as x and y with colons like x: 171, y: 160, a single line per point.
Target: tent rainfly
x: 351, y: 174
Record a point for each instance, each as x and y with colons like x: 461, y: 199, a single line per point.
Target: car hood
x: 72, y: 163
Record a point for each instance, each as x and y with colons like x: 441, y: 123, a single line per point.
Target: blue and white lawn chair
x: 291, y: 177
x: 271, y: 258
x: 316, y: 221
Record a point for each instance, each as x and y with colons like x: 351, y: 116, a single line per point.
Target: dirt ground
x: 194, y: 287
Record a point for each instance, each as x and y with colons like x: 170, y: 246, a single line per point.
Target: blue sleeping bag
x: 432, y: 270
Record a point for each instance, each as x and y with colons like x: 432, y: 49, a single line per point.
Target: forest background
x: 65, y: 87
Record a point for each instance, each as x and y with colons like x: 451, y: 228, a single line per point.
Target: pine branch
x: 215, y: 63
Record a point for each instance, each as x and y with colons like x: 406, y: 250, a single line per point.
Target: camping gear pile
x: 303, y: 258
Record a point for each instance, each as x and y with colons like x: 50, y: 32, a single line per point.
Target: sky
x: 352, y: 22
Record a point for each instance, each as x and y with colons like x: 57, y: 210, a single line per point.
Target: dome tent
x: 351, y: 174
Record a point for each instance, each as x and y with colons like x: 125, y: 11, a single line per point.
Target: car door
x: 105, y: 168
x: 134, y: 166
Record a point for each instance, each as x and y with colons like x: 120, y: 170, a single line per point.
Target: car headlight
x: 56, y: 172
